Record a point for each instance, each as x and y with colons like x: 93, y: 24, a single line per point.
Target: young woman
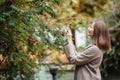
x: 88, y: 62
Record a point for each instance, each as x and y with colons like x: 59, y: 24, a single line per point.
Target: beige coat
x: 87, y: 62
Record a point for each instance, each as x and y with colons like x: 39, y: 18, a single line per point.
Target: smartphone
x: 70, y: 25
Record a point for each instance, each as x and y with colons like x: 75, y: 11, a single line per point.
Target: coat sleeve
x: 85, y: 57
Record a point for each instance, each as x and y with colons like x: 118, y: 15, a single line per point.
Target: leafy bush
x: 25, y: 34
x: 112, y: 59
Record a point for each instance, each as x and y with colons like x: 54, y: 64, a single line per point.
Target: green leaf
x: 50, y: 11
x: 58, y: 1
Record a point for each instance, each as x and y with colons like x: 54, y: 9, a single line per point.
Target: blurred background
x: 32, y: 37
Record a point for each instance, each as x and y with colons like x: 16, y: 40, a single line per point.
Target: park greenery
x: 30, y: 27
x: 111, y: 59
x: 24, y: 33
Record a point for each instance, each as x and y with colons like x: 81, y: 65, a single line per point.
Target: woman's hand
x: 69, y: 35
